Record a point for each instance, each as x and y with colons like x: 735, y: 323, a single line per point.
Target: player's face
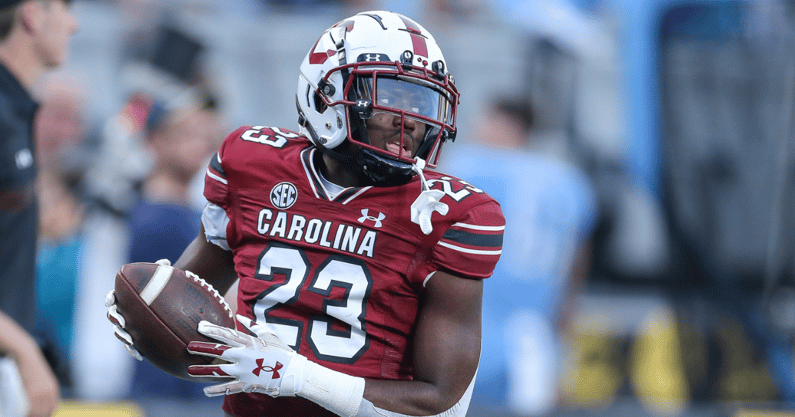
x: 393, y: 97
x: 183, y: 145
x: 56, y: 24
x: 384, y: 131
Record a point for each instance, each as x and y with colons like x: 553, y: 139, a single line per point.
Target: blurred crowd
x: 640, y: 152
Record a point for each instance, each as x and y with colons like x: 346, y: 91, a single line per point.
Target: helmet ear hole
x: 320, y: 105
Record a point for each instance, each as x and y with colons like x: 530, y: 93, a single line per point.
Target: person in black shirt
x: 34, y: 36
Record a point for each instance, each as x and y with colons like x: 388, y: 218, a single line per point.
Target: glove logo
x: 274, y: 369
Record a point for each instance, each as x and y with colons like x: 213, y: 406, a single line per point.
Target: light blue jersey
x: 550, y: 208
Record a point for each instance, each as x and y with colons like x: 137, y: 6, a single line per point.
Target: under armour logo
x: 372, y: 58
x: 274, y: 369
x: 366, y: 216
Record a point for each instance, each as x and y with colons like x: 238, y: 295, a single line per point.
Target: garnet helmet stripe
x: 417, y: 38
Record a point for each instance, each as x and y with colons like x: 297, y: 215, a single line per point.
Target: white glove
x: 266, y: 365
x: 119, y: 322
x: 258, y: 364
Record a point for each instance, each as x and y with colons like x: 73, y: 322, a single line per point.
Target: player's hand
x: 119, y: 322
x: 261, y: 364
x: 118, y: 326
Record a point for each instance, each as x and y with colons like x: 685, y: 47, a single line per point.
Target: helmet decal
x: 417, y: 38
x: 320, y: 57
x: 377, y: 19
x: 347, y: 24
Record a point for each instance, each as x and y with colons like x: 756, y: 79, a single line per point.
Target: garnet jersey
x: 338, y: 279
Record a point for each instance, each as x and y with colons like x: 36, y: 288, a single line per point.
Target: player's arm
x: 446, y: 354
x: 446, y: 351
x: 209, y: 261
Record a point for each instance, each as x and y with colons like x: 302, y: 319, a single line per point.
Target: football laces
x: 213, y: 291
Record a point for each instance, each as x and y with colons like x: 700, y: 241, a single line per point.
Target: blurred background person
x: 144, y: 155
x: 551, y: 208
x: 181, y: 137
x: 60, y: 134
x: 34, y: 37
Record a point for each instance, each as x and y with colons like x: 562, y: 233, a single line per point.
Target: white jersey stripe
x: 309, y: 170
x: 216, y: 177
x: 358, y: 193
x: 472, y: 251
x: 478, y: 227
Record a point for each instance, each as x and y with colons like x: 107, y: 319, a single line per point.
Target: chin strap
x: 427, y: 202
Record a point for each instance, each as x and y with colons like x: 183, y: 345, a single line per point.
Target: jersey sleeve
x: 471, y: 246
x: 216, y: 185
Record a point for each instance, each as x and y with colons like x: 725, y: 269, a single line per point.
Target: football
x: 162, y: 307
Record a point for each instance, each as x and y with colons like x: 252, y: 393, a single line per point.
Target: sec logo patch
x: 284, y: 195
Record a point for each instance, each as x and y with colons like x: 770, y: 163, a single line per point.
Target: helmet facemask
x: 396, y: 114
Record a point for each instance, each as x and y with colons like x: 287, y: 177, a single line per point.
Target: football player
x: 360, y: 273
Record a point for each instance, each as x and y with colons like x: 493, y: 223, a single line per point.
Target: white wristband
x: 335, y: 391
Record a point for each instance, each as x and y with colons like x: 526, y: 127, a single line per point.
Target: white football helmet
x: 376, y: 62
